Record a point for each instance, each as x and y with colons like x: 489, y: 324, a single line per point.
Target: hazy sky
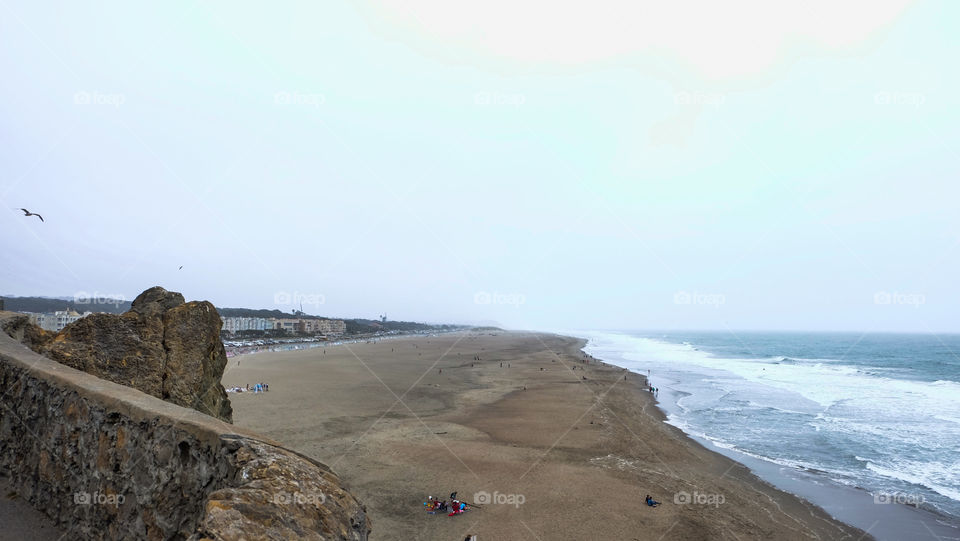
x: 537, y: 164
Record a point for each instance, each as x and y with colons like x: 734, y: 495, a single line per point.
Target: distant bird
x: 28, y: 213
x: 181, y: 267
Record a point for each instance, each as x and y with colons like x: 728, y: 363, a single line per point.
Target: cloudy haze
x: 536, y: 165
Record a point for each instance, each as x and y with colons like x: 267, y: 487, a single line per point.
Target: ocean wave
x: 825, y: 381
x: 921, y: 476
x: 801, y: 465
x: 834, y: 407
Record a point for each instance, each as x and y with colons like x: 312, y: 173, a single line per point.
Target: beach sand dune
x: 550, y: 454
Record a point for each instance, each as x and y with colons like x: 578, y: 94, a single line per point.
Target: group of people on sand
x: 257, y: 388
x: 436, y: 505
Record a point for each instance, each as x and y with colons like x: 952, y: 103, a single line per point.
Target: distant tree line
x: 54, y: 304
x: 366, y: 326
x: 253, y: 312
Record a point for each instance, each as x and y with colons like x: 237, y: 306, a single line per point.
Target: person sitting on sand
x: 651, y: 502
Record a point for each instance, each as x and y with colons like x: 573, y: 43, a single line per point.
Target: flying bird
x: 28, y: 213
x: 181, y: 267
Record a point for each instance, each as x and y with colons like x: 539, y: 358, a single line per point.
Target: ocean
x: 879, y: 412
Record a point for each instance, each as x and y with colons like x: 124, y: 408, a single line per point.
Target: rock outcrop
x: 163, y: 346
x: 106, y: 461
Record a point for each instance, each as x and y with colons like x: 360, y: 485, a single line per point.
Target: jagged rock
x: 105, y: 461
x: 163, y: 346
x: 303, y: 498
x: 19, y: 327
x: 195, y: 359
x: 156, y: 300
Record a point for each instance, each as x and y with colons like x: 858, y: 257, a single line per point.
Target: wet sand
x: 580, y: 454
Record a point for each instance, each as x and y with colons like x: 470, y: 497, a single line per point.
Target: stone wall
x: 106, y: 461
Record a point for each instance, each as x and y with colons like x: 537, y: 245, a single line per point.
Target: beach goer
x: 651, y: 502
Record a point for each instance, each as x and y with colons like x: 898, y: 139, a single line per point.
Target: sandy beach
x: 556, y: 448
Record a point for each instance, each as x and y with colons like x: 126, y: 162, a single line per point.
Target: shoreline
x: 852, y: 505
x: 581, y: 447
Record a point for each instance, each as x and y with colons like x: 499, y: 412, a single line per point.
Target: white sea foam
x: 924, y: 474
x: 824, y: 381
x: 850, y: 405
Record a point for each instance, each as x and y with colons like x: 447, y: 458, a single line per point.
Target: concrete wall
x: 107, y: 461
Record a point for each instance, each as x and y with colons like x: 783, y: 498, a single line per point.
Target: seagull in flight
x: 181, y: 267
x: 28, y: 213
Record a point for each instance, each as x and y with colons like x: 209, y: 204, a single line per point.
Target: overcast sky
x: 618, y: 165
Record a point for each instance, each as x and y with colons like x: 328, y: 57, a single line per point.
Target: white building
x: 234, y: 325
x: 56, y: 321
